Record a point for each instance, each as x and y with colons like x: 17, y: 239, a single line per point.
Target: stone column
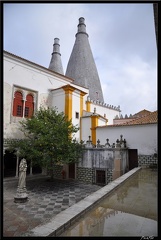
x: 66, y: 169
x: 17, y: 154
x: 34, y: 104
x: 24, y: 100
x: 117, y: 171
x: 4, y: 149
x: 44, y: 171
x: 31, y: 168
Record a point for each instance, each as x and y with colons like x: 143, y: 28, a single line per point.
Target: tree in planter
x: 48, y: 139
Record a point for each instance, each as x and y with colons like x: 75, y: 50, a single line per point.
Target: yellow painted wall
x: 94, y: 124
x: 88, y: 106
x: 68, y: 100
x: 81, y: 112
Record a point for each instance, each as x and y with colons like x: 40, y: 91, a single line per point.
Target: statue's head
x: 23, y: 160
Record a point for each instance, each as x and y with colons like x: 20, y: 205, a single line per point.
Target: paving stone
x: 41, y: 212
x: 47, y: 216
x: 43, y: 206
x: 52, y: 204
x: 12, y: 228
x: 49, y: 209
x: 45, y: 201
x: 8, y: 233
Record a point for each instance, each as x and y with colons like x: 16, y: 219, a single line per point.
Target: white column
x: 34, y: 101
x: 31, y: 168
x: 17, y: 163
x: 24, y: 100
x: 3, y: 159
x: 23, y: 108
x: 44, y: 171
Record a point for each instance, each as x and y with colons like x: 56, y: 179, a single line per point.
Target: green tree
x: 48, y: 139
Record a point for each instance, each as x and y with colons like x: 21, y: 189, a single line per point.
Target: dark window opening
x: 77, y: 114
x: 19, y: 111
x: 100, y: 177
x: 26, y: 111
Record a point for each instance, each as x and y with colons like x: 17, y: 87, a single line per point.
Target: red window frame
x: 19, y: 108
x: 29, y: 105
x: 18, y: 104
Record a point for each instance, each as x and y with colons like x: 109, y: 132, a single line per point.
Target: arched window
x: 29, y: 106
x: 18, y: 104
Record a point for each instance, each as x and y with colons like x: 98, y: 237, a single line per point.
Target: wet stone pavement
x: 46, y: 199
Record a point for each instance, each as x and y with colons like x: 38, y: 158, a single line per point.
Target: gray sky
x: 121, y: 36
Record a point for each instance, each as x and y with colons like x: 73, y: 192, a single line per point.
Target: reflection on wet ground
x: 131, y: 210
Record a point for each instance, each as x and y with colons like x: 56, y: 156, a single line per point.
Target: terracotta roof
x: 141, y: 113
x: 150, y: 118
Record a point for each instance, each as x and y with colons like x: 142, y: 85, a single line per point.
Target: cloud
x: 132, y: 85
x: 121, y: 36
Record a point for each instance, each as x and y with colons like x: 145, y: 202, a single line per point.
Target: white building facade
x: 78, y: 94
x: 27, y: 86
x: 142, y: 137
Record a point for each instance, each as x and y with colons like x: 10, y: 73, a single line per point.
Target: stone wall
x: 111, y: 160
x: 57, y: 171
x: 88, y: 175
x: 97, y: 158
x: 109, y: 176
x: 147, y: 160
x: 85, y: 174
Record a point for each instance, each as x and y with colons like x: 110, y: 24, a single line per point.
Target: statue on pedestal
x: 21, y: 195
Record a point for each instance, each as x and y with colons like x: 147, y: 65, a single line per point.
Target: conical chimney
x: 56, y: 63
x: 81, y: 66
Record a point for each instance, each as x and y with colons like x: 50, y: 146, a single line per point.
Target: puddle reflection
x: 131, y: 210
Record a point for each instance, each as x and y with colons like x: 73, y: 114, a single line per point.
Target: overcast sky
x: 121, y: 36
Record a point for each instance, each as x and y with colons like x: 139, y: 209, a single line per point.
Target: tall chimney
x: 56, y: 63
x: 81, y: 66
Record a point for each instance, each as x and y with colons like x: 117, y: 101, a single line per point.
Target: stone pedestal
x: 21, y: 198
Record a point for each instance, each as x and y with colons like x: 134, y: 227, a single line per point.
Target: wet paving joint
x: 45, y: 200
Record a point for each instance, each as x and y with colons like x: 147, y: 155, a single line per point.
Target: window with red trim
x: 18, y: 104
x: 29, y: 106
x: 18, y: 107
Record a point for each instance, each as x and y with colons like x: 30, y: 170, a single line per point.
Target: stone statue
x: 21, y: 195
x: 22, y: 176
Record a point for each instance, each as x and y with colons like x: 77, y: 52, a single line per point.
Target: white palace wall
x: 142, y: 137
x: 23, y: 75
x: 106, y: 111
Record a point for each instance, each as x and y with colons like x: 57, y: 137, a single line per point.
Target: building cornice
x: 37, y: 66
